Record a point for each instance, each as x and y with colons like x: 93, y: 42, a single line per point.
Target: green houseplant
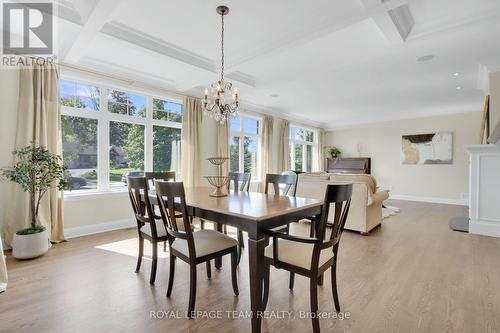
x: 37, y: 171
x: 334, y: 151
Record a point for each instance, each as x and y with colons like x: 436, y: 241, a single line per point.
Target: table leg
x: 256, y: 262
x: 218, y: 261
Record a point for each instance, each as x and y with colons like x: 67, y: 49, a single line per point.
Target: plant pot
x: 30, y: 246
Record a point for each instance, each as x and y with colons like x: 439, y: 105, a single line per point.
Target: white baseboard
x: 98, y: 228
x: 459, y: 202
x: 484, y: 228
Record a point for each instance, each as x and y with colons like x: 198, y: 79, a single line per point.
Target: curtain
x: 3, y: 270
x: 223, y: 144
x: 191, y: 142
x: 284, y: 146
x: 39, y: 121
x: 266, y: 148
x: 320, y: 151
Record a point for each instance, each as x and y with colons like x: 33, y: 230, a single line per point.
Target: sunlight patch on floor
x: 130, y: 247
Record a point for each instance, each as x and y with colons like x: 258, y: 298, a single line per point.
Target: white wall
x: 382, y: 142
x: 495, y: 99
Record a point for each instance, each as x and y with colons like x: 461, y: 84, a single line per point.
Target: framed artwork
x: 433, y: 148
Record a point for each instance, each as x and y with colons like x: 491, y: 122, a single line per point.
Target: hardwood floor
x: 411, y: 275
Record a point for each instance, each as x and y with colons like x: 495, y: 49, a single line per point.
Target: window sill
x: 82, y: 195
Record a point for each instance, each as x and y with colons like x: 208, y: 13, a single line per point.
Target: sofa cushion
x: 369, y: 180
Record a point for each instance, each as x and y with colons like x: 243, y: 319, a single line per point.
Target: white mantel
x: 484, y: 187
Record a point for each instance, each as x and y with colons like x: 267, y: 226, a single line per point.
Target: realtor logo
x: 27, y: 28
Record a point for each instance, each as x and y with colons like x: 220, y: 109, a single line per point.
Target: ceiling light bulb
x: 458, y: 88
x: 456, y: 74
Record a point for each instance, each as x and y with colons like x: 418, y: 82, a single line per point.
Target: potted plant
x: 334, y: 152
x: 37, y: 170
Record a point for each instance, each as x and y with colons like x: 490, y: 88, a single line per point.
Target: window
x: 302, y: 152
x: 109, y: 134
x: 243, y: 145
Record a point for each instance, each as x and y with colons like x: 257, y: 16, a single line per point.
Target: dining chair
x: 149, y: 225
x: 311, y: 257
x: 241, y: 183
x: 153, y: 176
x: 192, y: 247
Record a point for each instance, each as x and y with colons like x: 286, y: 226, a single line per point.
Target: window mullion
x: 103, y: 143
x: 148, y: 136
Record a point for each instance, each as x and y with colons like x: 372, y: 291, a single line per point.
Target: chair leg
x: 313, y: 228
x: 334, y: 287
x: 171, y: 275
x: 209, y: 270
x: 234, y: 279
x: 192, y: 289
x: 314, y: 303
x: 320, y: 280
x: 202, y: 224
x: 154, y: 263
x: 265, y: 297
x: 141, y: 252
x: 292, y: 280
x: 225, y: 229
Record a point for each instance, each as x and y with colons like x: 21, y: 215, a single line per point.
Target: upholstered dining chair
x: 192, y: 247
x: 311, y: 257
x: 153, y: 176
x: 149, y: 225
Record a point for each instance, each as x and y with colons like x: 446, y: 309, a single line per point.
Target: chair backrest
x: 240, y: 180
x: 338, y: 196
x: 144, y: 212
x: 151, y: 176
x: 276, y: 180
x: 172, y: 201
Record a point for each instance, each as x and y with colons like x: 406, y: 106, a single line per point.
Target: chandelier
x: 222, y: 101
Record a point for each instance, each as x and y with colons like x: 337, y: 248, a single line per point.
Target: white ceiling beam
x: 396, y: 24
x: 95, y: 14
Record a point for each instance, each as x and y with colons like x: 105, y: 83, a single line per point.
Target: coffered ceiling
x: 329, y: 63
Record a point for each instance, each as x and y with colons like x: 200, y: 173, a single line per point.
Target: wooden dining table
x: 255, y: 213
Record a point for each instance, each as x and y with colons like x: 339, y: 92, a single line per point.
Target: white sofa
x: 366, y: 204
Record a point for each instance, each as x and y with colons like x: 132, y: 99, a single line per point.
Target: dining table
x: 253, y: 212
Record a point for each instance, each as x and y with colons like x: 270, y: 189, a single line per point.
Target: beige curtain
x: 38, y: 120
x: 192, y: 117
x: 3, y: 270
x: 284, y: 146
x: 320, y: 152
x: 266, y: 148
x: 223, y: 144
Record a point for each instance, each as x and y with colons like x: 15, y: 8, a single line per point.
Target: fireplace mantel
x: 484, y: 188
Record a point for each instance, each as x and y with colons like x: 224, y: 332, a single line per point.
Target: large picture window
x: 109, y: 134
x: 244, y: 145
x: 302, y: 152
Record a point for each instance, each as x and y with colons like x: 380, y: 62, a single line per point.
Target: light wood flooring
x: 413, y: 274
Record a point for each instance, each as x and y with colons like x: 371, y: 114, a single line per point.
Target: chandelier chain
x: 222, y: 50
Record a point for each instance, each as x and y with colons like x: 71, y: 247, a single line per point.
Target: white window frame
x: 104, y: 117
x: 241, y: 134
x: 304, y: 143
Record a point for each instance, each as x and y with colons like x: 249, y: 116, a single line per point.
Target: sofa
x: 365, y: 212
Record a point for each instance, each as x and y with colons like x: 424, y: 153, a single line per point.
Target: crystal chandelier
x: 222, y: 101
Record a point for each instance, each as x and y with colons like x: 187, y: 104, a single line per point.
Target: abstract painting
x: 434, y: 148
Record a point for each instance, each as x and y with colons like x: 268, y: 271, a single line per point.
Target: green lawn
x: 115, y: 175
